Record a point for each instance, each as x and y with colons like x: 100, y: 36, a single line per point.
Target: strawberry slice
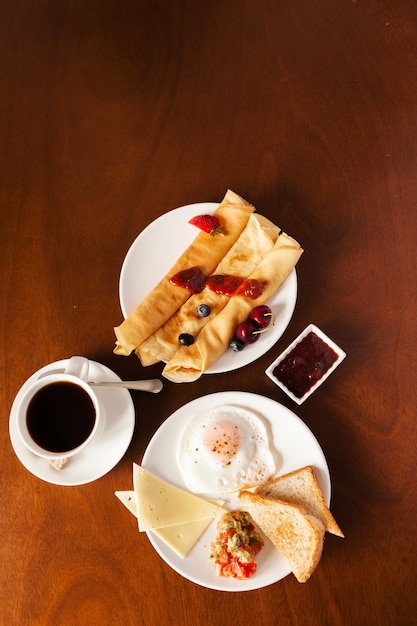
x: 208, y: 223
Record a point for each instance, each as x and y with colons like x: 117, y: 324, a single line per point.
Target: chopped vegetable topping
x: 236, y: 544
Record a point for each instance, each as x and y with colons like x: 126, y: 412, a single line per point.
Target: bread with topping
x: 296, y: 534
x: 301, y: 487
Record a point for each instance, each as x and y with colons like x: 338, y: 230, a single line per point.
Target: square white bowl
x: 310, y: 328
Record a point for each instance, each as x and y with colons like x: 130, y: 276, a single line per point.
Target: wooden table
x: 113, y: 113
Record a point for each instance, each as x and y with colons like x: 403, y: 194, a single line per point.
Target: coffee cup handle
x: 78, y: 366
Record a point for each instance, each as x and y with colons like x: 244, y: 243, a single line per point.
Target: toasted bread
x: 301, y: 487
x: 297, y: 535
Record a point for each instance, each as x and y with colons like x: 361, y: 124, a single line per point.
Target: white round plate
x: 158, y: 247
x: 295, y: 447
x: 102, y: 454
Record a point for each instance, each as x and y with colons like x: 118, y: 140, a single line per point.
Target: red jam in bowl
x: 305, y: 364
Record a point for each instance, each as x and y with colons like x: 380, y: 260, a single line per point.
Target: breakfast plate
x: 294, y: 446
x: 102, y: 454
x: 158, y: 247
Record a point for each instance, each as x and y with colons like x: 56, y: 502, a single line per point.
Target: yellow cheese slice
x: 160, y: 504
x: 180, y: 538
x: 128, y: 499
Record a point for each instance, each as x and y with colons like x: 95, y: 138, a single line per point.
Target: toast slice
x: 298, y: 536
x: 301, y: 487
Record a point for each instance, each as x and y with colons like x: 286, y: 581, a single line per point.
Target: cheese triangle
x: 179, y: 538
x: 128, y: 499
x: 160, y: 504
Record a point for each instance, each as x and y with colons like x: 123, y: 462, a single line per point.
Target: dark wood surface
x: 114, y: 112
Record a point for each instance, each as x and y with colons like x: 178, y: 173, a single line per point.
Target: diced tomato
x: 225, y: 535
x: 248, y: 569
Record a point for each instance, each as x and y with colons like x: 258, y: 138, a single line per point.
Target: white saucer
x: 101, y: 455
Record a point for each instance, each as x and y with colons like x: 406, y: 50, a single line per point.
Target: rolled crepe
x: 165, y: 299
x: 190, y: 362
x: 255, y: 242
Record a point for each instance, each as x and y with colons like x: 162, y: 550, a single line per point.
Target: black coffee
x: 60, y: 416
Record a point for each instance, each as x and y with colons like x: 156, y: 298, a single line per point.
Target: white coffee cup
x: 59, y: 414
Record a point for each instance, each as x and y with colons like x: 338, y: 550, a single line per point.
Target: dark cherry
x: 262, y: 316
x: 247, y: 332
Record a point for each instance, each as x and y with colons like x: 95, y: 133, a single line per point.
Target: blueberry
x: 237, y: 344
x: 203, y: 310
x: 186, y: 339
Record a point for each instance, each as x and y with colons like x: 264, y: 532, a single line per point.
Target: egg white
x: 240, y: 457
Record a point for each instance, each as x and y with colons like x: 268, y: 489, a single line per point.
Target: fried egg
x: 224, y: 449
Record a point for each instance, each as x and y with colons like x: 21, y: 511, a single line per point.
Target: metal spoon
x: 153, y: 385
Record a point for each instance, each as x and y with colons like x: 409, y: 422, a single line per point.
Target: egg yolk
x: 222, y: 439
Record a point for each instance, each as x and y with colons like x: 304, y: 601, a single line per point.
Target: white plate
x: 156, y: 250
x: 102, y: 454
x: 295, y: 447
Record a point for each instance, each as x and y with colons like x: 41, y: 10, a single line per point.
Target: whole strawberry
x: 208, y: 223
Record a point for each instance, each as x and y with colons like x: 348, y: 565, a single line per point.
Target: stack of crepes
x: 251, y: 247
